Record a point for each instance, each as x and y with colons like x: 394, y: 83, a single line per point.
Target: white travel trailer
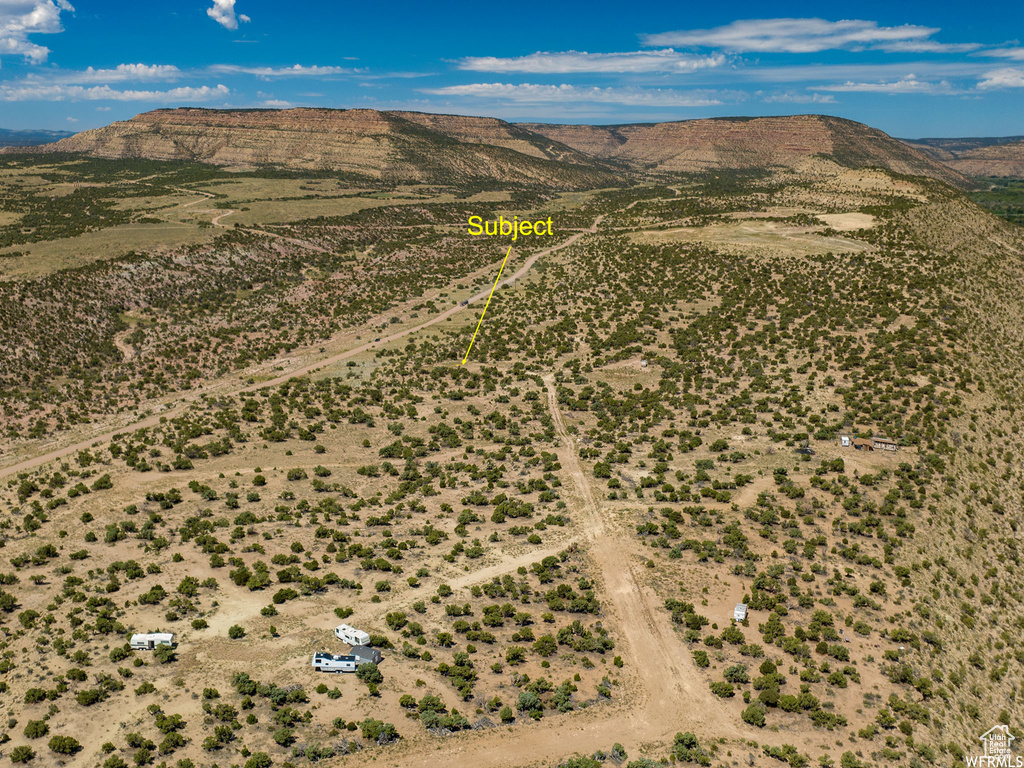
x: 326, y: 662
x: 740, y: 612
x: 150, y: 641
x: 351, y: 635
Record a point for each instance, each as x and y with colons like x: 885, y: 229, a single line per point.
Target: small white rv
x: 740, y: 612
x: 351, y: 635
x: 149, y: 641
x: 327, y: 662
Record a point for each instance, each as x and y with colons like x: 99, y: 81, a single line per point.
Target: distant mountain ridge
x: 403, y: 147
x: 390, y: 147
x: 29, y: 138
x: 752, y: 142
x: 981, y: 156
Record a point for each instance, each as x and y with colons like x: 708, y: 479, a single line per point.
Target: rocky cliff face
x: 388, y: 146
x: 764, y: 142
x: 977, y: 157
x: 399, y: 147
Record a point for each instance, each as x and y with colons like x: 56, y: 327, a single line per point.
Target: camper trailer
x: 740, y: 611
x: 150, y: 641
x: 351, y: 635
x: 327, y: 662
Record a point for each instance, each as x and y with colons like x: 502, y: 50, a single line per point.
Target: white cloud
x: 556, y: 112
x: 120, y: 73
x: 539, y: 94
x: 223, y: 12
x: 794, y: 97
x: 28, y: 91
x: 666, y: 60
x: 1004, y: 53
x: 298, y: 70
x: 908, y: 84
x: 21, y: 18
x: 925, y: 46
x: 791, y: 35
x: 276, y: 104
x: 1003, y: 78
x: 134, y: 72
x: 862, y: 71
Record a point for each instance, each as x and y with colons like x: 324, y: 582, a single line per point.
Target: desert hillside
x: 397, y: 147
x: 393, y: 147
x: 245, y: 402
x: 977, y: 157
x: 701, y: 145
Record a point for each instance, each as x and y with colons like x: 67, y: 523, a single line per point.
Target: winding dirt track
x: 150, y: 421
x: 661, y: 692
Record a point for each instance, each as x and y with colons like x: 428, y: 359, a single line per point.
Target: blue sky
x: 912, y: 69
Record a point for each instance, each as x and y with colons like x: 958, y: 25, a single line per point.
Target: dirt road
x: 668, y: 689
x: 662, y: 692
x: 153, y: 420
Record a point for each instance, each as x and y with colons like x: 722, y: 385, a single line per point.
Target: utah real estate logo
x: 997, y: 742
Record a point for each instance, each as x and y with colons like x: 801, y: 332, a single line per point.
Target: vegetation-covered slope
x: 388, y: 147
x: 1001, y: 157
x: 753, y: 143
x: 548, y: 542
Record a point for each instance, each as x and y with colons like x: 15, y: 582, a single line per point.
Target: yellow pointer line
x: 480, y: 322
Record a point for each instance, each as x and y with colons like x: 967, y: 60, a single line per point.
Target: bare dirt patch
x: 753, y: 235
x: 848, y: 221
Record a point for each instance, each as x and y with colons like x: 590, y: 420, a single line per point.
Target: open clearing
x: 848, y: 221
x: 755, y: 236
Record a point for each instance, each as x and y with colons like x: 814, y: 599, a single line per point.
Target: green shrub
x: 36, y: 729
x: 88, y: 697
x: 737, y: 674
x: 22, y: 754
x: 380, y: 732
x: 369, y: 673
x: 754, y: 714
x: 64, y: 745
x: 259, y: 760
x: 722, y: 689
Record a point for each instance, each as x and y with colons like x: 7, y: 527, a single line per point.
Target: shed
x: 740, y: 611
x: 862, y: 444
x: 150, y: 640
x: 884, y: 444
x: 364, y: 654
